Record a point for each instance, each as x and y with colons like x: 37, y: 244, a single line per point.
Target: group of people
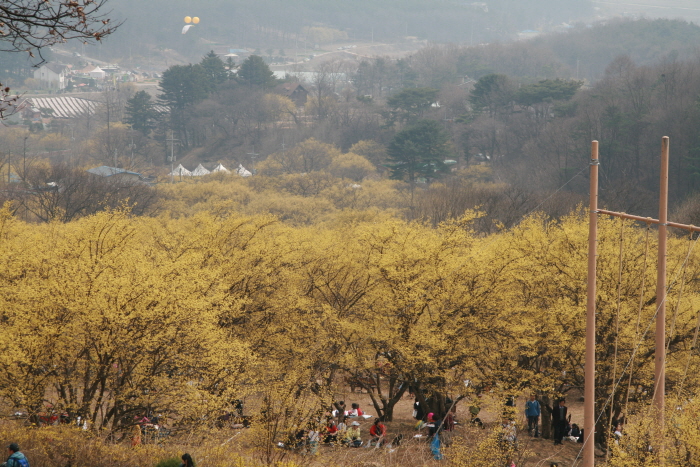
x: 561, y: 420
x: 341, y: 427
x: 437, y: 425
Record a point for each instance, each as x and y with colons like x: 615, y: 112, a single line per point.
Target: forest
x: 114, y: 315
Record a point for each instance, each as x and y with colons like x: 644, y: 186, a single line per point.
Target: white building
x: 52, y: 75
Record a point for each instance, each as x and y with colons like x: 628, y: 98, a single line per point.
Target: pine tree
x: 255, y: 72
x: 214, y: 68
x: 140, y: 113
x: 418, y: 151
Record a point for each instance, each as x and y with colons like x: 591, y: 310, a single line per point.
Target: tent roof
x: 242, y: 171
x: 180, y: 170
x: 200, y: 170
x: 220, y: 168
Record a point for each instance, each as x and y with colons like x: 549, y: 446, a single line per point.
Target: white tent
x: 97, y: 73
x: 242, y: 171
x: 220, y: 168
x: 181, y: 171
x: 199, y: 171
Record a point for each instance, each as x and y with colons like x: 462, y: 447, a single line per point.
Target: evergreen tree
x: 182, y: 86
x: 215, y: 69
x: 552, y: 89
x: 418, y: 151
x: 140, y: 113
x: 492, y: 92
x: 410, y: 104
x: 255, y: 72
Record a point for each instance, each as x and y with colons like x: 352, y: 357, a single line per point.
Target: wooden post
x: 660, y: 352
x: 589, y: 389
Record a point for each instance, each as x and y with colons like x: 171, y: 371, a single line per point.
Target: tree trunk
x: 546, y: 416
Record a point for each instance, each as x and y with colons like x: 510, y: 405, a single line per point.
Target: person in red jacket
x: 377, y: 433
x: 331, y: 433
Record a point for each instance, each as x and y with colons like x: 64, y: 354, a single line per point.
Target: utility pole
x: 253, y: 155
x: 132, y: 146
x: 660, y: 339
x: 589, y: 368
x: 24, y: 160
x: 172, y: 155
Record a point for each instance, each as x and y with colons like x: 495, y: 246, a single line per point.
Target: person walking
x: 16, y: 458
x: 532, y: 412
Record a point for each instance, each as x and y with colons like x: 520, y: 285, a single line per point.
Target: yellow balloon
x: 195, y: 20
x: 188, y: 20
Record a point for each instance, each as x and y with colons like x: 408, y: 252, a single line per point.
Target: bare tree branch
x: 30, y: 25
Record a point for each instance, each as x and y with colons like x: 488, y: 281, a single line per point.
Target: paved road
x: 85, y: 58
x: 654, y: 8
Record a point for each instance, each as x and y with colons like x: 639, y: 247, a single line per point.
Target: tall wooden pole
x: 589, y: 389
x: 660, y: 353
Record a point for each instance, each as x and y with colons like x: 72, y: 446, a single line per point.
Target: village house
x: 295, y: 91
x: 52, y: 75
x: 117, y: 173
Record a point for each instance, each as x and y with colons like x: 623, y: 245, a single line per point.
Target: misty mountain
x: 280, y: 24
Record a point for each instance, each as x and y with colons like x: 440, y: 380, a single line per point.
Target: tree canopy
x: 140, y: 113
x: 255, y: 72
x: 418, y: 151
x: 410, y: 104
x: 552, y: 89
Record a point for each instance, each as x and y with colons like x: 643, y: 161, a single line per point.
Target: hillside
x: 281, y: 25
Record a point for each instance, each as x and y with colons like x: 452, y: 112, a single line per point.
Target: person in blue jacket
x: 532, y: 411
x: 16, y: 459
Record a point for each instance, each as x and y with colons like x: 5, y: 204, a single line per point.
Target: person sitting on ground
x: 353, y: 438
x: 434, y: 425
x: 510, y: 433
x: 342, y: 428
x: 331, y: 433
x: 575, y: 431
x: 378, y: 432
x: 355, y: 411
x: 300, y: 439
x: 474, y: 416
x: 313, y: 437
x: 16, y: 459
x: 617, y: 433
x: 187, y: 460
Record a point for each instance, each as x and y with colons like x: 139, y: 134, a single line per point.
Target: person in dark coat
x: 559, y: 421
